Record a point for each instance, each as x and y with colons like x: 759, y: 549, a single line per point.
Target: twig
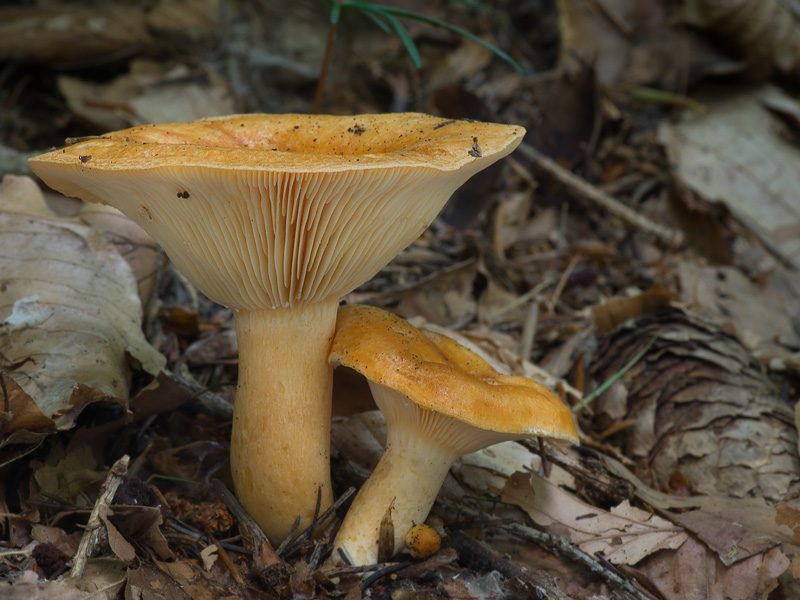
x: 309, y: 532
x: 383, y: 573
x: 584, y: 189
x: 528, y: 331
x: 562, y: 282
x: 89, y: 540
x: 214, y: 403
x: 549, y: 541
x: 558, y: 544
x: 240, y: 513
x: 473, y: 553
x: 226, y: 560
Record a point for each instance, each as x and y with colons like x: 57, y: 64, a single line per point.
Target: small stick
x: 549, y: 541
x: 241, y: 514
x: 318, y: 520
x: 229, y: 564
x: 551, y: 303
x: 528, y: 331
x: 554, y: 544
x: 383, y: 573
x: 579, y: 187
x: 475, y: 554
x: 115, y: 476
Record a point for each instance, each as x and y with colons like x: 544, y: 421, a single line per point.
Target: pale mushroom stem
x: 280, y: 443
x: 421, y: 446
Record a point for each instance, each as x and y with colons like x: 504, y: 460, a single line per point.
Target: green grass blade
x: 409, y: 14
x: 336, y: 10
x: 387, y: 11
x: 587, y: 399
x: 377, y: 20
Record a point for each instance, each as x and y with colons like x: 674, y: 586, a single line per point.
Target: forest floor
x: 637, y: 254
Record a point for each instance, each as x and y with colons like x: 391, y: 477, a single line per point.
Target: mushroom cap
x: 264, y: 211
x: 439, y: 374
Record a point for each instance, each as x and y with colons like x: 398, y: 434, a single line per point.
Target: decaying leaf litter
x: 652, y: 256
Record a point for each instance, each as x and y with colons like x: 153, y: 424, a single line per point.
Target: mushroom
x: 278, y: 217
x: 440, y: 401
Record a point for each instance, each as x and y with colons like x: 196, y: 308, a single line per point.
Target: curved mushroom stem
x: 280, y: 444
x: 407, y: 479
x: 421, y: 446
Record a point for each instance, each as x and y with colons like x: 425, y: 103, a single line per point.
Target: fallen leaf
x: 731, y: 154
x: 67, y: 543
x: 386, y: 535
x: 70, y: 315
x: 774, y: 43
x: 444, y: 298
x: 737, y: 529
x: 103, y: 578
x: 789, y: 516
x: 70, y: 475
x: 209, y: 556
x: 152, y: 92
x: 76, y: 32
x: 692, y: 572
x: 625, y: 535
x: 763, y: 317
x: 132, y: 242
x: 615, y: 311
x: 28, y: 587
x: 119, y: 545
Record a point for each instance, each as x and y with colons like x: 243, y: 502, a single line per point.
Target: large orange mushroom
x: 278, y: 217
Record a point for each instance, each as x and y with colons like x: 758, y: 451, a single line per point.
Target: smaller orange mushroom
x: 440, y: 401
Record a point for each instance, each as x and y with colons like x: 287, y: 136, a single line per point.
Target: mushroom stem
x: 421, y: 447
x: 280, y: 444
x: 407, y: 478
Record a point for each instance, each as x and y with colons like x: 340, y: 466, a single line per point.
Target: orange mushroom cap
x: 271, y: 210
x: 439, y: 374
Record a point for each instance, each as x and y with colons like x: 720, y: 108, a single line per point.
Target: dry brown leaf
x: 119, y: 545
x: 132, y: 242
x: 72, y: 475
x: 194, y: 17
x: 69, y: 312
x: 59, y: 33
x: 789, y: 516
x: 444, y: 298
x: 44, y: 534
x: 765, y: 33
x: 386, y: 535
x: 634, y: 42
x: 732, y: 154
x: 615, y: 311
x: 103, y: 578
x: 692, y: 572
x: 143, y: 523
x: 737, y: 529
x: 195, y: 581
x: 149, y: 582
x: 152, y: 92
x: 28, y: 587
x: 763, y: 316
x: 625, y: 535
